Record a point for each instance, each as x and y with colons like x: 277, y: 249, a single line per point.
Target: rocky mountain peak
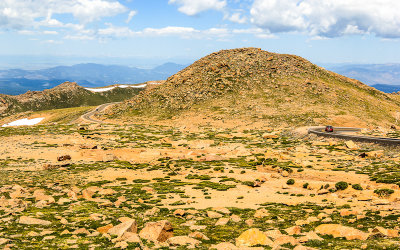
x: 67, y: 86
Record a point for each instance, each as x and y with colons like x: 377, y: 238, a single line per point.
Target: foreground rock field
x: 152, y: 186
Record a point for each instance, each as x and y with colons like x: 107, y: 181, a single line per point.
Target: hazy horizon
x: 37, y: 62
x: 46, y: 33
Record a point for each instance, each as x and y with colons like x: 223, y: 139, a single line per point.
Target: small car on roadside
x: 329, y: 129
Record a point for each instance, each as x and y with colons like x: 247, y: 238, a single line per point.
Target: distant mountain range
x: 19, y: 81
x: 384, y: 77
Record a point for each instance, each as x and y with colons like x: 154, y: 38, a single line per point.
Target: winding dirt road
x: 88, y: 117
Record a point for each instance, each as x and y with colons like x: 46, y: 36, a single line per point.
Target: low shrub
x: 290, y: 182
x: 384, y: 192
x: 341, y: 185
x: 357, y: 187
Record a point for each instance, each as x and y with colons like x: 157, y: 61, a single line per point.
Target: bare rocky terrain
x: 151, y: 186
x: 201, y: 177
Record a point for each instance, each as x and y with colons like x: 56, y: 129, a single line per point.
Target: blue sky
x: 150, y: 32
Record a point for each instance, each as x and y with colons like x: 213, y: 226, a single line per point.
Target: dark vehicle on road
x: 328, y: 129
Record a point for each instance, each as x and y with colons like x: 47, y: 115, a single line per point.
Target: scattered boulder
x: 249, y: 222
x: 273, y: 234
x: 127, y: 226
x: 310, y: 236
x: 179, y: 212
x: 285, y: 239
x: 131, y: 237
x: 198, y: 235
x: 222, y: 210
x: 64, y: 158
x: 54, y: 166
x: 183, y: 241
x: 152, y: 212
x: 222, y: 221
x: 81, y: 231
x: 253, y: 237
x: 88, y: 194
x: 350, y: 145
x: 224, y: 246
x: 33, y: 221
x: 213, y: 215
x: 109, y: 158
x: 157, y: 231
x: 347, y: 212
x: 375, y: 154
x: 235, y: 218
x: 337, y: 230
x: 104, y: 229
x: 293, y: 230
x: 121, y: 244
x: 261, y: 213
x: 383, y: 232
x: 270, y: 136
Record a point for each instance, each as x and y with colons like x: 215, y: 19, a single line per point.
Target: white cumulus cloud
x: 328, y: 18
x: 21, y: 14
x: 193, y: 7
x: 237, y: 18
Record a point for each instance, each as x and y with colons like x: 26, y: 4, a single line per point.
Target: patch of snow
x: 119, y: 86
x: 138, y: 86
x: 24, y: 122
x: 100, y: 90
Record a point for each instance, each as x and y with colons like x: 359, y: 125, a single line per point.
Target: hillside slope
x: 250, y: 83
x: 66, y: 95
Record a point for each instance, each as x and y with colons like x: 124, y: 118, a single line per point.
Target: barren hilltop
x: 251, y: 83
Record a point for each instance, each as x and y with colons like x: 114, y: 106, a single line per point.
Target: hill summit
x: 252, y: 83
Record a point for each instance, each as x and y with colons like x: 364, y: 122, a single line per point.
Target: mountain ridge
x: 65, y: 95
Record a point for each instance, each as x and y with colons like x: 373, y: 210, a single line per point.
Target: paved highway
x: 340, y: 132
x: 88, y: 117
